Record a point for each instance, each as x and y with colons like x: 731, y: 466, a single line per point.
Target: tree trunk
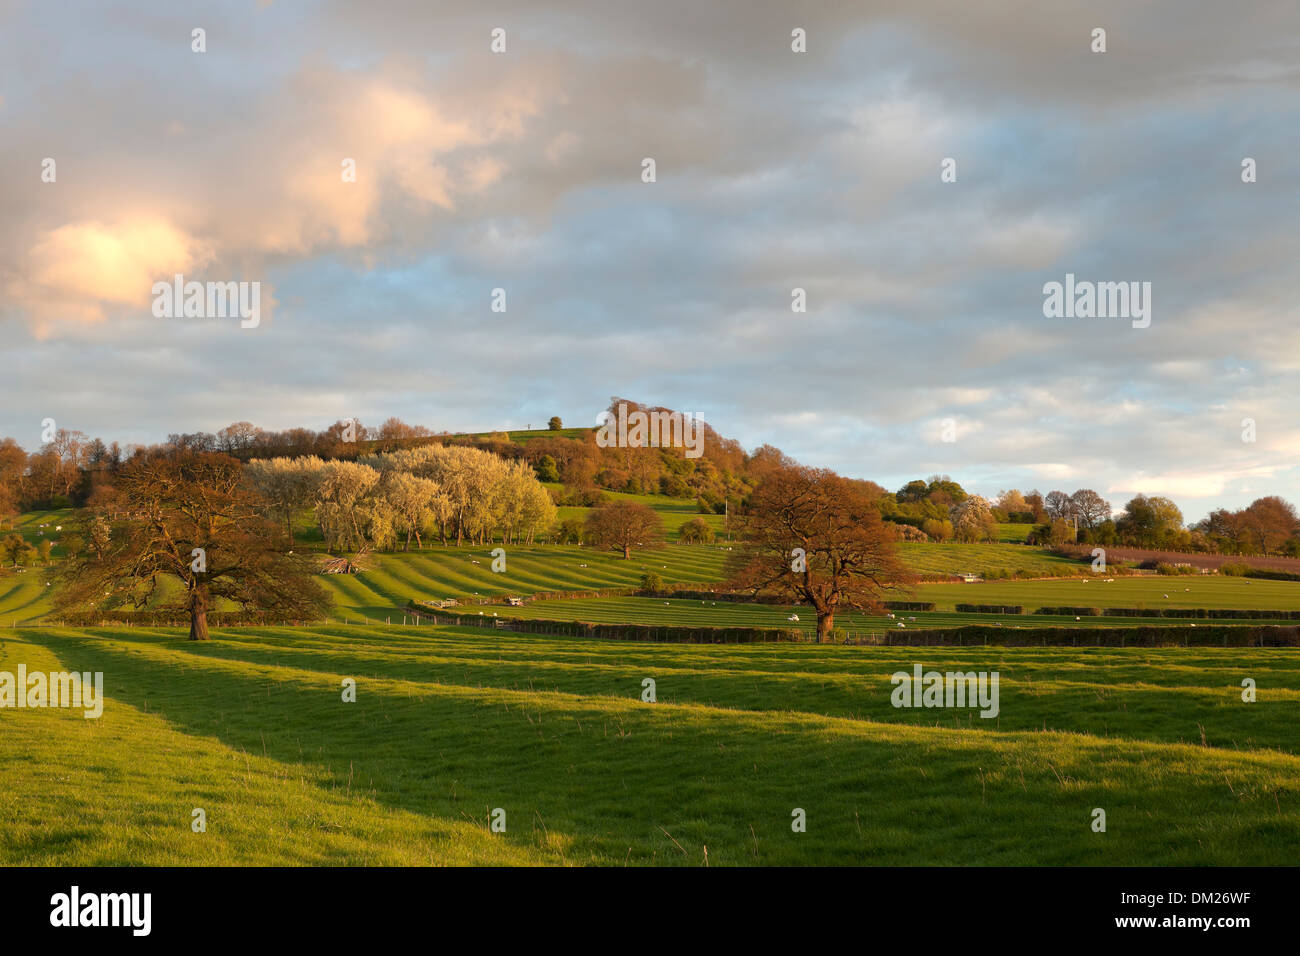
x: 199, y: 614
x: 627, y: 552
x: 288, y: 527
x: 825, y: 622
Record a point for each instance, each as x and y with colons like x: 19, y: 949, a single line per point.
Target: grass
x: 984, y: 558
x: 1014, y: 533
x: 1207, y: 591
x: 451, y: 723
x: 694, y: 613
x: 394, y: 579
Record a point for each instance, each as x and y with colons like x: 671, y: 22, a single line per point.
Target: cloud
x: 776, y: 170
x: 75, y: 272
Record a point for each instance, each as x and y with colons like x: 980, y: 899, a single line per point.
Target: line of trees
x: 71, y: 468
x: 456, y: 493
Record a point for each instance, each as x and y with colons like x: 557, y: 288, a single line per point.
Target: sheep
x: 793, y: 617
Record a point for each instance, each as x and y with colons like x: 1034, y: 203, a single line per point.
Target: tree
x: 1091, y: 508
x: 695, y: 531
x: 411, y: 500
x: 13, y: 465
x: 1013, y: 502
x: 937, y: 530
x: 73, y: 545
x: 1148, y: 520
x: 1269, y: 523
x: 1035, y: 502
x: 914, y: 490
x: 237, y: 438
x: 555, y: 424
x: 287, y: 484
x: 569, y: 531
x: 817, y: 538
x: 1057, y: 504
x: 101, y: 534
x: 1060, y: 533
x: 624, y: 525
x: 972, y: 520
x: 14, y: 547
x: 342, y: 493
x: 193, y: 518
x: 547, y: 470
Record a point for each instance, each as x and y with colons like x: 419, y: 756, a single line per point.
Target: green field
x: 452, y: 723
x: 982, y: 559
x: 394, y: 579
x: 1147, y: 591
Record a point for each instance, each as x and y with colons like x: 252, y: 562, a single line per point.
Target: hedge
x: 1140, y: 636
x: 1217, y: 613
x: 971, y: 635
x: 620, y: 632
x: 173, y: 618
x: 990, y: 609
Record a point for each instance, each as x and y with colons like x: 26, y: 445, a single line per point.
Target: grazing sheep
x: 793, y: 617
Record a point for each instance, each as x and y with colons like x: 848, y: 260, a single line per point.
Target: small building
x: 515, y: 601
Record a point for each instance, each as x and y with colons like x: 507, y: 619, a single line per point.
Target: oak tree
x: 817, y: 538
x: 193, y: 519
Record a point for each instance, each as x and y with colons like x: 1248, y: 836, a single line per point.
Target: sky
x: 924, y: 347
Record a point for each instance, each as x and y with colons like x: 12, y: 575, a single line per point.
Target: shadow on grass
x: 607, y: 780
